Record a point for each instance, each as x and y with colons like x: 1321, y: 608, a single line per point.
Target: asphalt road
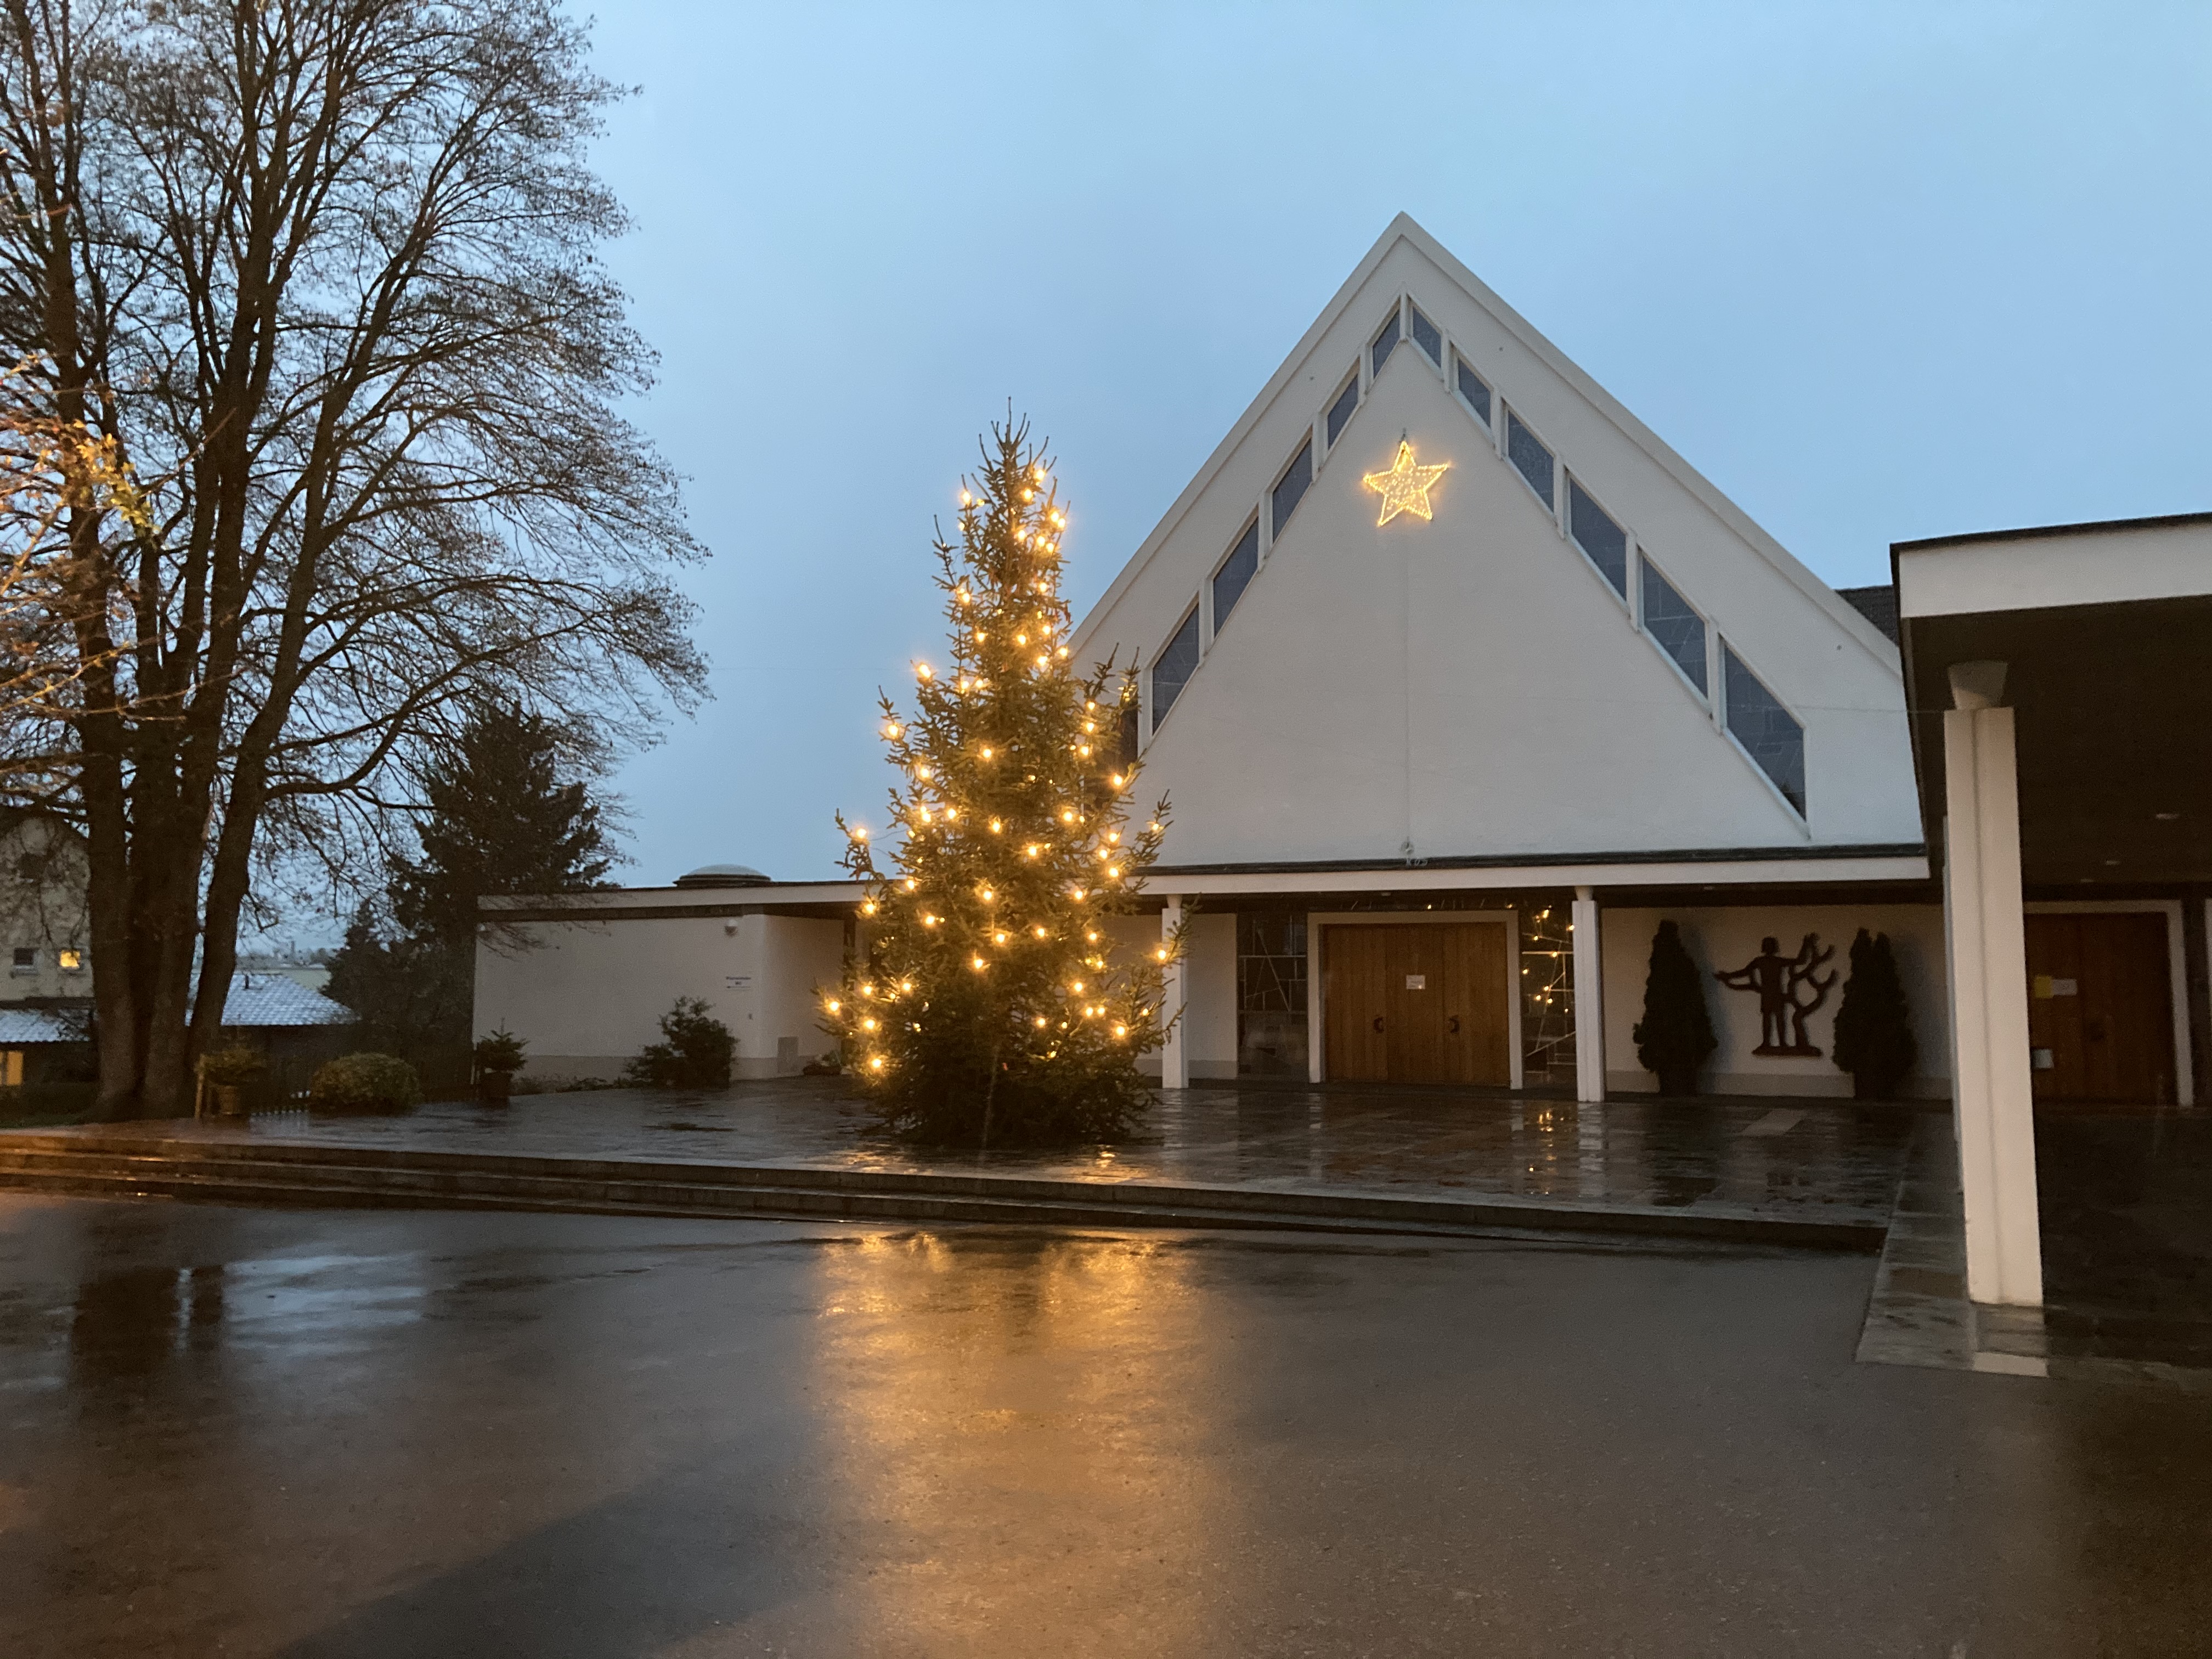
x: 316, y: 1434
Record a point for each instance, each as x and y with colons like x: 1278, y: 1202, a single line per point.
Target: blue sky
x: 1879, y: 272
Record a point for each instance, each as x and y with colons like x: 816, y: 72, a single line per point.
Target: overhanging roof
x: 2106, y: 633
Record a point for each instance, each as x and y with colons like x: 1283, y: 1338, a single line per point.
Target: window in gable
x: 1770, y: 733
x: 1385, y: 343
x: 1425, y: 334
x: 1597, y: 535
x: 1529, y: 457
x: 1289, y: 490
x: 1475, y: 389
x: 1342, y: 411
x: 25, y: 960
x: 1236, y: 574
x: 1680, y: 631
x: 1172, y: 669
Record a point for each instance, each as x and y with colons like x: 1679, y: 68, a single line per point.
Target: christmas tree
x: 986, y: 1007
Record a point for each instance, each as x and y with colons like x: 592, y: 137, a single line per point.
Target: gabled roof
x: 262, y: 1000
x: 1404, y: 229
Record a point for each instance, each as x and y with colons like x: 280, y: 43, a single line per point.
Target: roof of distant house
x: 20, y: 1027
x: 262, y: 999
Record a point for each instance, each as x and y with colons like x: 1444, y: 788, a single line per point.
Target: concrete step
x: 278, y: 1172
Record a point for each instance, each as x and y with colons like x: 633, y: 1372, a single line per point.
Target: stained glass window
x: 1668, y: 619
x: 1425, y: 336
x: 1171, y: 671
x: 1473, y: 389
x: 1597, y: 535
x: 1290, y: 489
x: 1340, y: 411
x: 1529, y: 457
x: 1385, y: 343
x: 1235, y: 573
x: 1769, y: 732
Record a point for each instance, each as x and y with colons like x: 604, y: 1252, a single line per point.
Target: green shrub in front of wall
x: 365, y: 1083
x: 1873, y: 1026
x: 1676, y: 1032
x: 697, y: 1054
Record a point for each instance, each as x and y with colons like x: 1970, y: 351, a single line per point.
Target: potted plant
x: 227, y: 1071
x: 499, y: 1057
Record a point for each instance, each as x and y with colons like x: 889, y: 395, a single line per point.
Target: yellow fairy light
x: 1117, y: 780
x: 1067, y: 815
x: 999, y: 939
x: 977, y: 963
x: 1121, y: 1030
x: 921, y: 671
x: 867, y: 990
x: 877, y: 1064
x: 986, y: 754
x: 996, y: 826
x: 966, y: 499
x: 1040, y: 932
x: 859, y: 833
x: 1077, y: 986
x: 922, y: 772
x: 1044, y: 662
x: 1040, y: 1022
x: 950, y: 813
x: 868, y: 908
x: 989, y: 897
x: 867, y: 1024
x: 906, y: 985
x: 894, y: 731
x: 832, y: 1006
x: 1063, y: 651
x: 1084, y: 750
x: 1021, y: 639
x: 1405, y: 488
x: 1031, y: 851
x: 909, y: 884
x: 1093, y: 938
x: 1114, y: 870
x: 929, y: 922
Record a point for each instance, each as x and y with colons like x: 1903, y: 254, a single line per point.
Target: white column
x: 1590, y: 999
x: 1987, y: 944
x: 1175, y: 1056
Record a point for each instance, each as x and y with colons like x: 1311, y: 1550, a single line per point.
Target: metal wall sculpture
x: 1778, y: 980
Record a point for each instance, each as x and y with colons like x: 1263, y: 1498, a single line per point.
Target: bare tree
x: 323, y: 271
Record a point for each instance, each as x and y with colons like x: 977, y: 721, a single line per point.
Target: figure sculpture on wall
x: 1778, y: 980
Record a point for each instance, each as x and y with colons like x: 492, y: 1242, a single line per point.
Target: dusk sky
x: 1880, y: 272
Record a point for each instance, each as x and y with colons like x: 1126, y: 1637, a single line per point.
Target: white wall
x: 1726, y: 938
x: 1210, y: 974
x: 591, y: 994
x: 1470, y: 686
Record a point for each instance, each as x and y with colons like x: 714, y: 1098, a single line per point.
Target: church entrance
x: 1416, y: 1003
x: 2099, y: 1008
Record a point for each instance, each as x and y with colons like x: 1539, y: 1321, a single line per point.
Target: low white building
x: 1460, y: 682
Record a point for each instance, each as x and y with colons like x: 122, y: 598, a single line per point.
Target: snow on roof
x: 22, y: 1026
x: 265, y: 1000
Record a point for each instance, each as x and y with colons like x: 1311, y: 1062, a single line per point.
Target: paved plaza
x: 354, y: 1435
x: 1814, y: 1160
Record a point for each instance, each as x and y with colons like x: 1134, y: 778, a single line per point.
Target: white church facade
x: 1460, y: 681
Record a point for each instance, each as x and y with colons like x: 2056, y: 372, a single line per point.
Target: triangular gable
x: 1486, y: 681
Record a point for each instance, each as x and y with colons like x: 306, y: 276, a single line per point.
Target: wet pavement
x: 329, y: 1434
x: 1824, y: 1160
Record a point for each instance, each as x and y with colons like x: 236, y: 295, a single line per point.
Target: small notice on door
x: 738, y: 981
x: 2046, y: 987
x: 1417, y: 981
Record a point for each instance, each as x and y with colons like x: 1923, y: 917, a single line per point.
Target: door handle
x: 1378, y: 1022
x: 1452, y: 1025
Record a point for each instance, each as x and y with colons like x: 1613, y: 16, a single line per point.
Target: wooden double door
x: 2100, y: 1008
x: 1420, y: 1003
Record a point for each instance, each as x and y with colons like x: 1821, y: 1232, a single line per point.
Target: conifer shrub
x: 1676, y: 1032
x: 365, y: 1083
x: 696, y: 1051
x: 1873, y: 1039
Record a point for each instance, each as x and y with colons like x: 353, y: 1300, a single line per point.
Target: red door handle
x: 1378, y: 1022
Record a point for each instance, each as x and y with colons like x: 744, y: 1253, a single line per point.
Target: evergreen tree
x: 1676, y: 1032
x: 987, y: 1008
x: 1873, y: 1037
x: 500, y: 821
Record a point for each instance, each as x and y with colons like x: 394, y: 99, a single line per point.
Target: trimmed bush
x: 696, y: 1054
x: 232, y: 1065
x: 365, y: 1083
x: 1676, y: 1032
x: 1874, y: 1026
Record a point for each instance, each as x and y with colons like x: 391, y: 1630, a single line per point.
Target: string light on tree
x: 1009, y: 1024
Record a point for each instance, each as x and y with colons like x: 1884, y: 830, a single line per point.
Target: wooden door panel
x: 1481, y: 1045
x: 1353, y: 989
x: 2099, y: 1006
x: 1414, y: 960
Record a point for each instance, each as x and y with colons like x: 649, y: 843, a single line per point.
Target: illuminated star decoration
x: 1405, y: 488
